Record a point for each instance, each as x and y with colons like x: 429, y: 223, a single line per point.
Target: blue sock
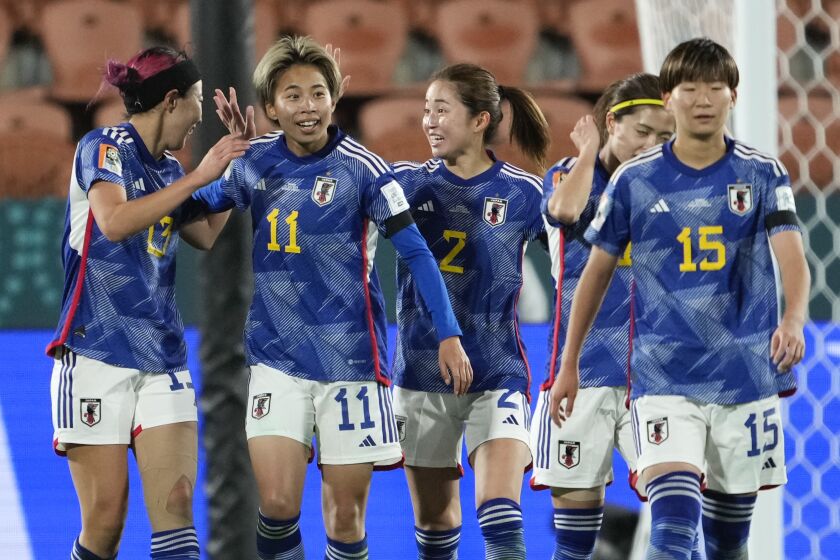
x: 81, y: 553
x: 500, y: 520
x: 726, y: 524
x: 577, y: 530
x: 176, y: 544
x: 347, y: 551
x: 437, y: 545
x: 279, y: 539
x: 675, y: 514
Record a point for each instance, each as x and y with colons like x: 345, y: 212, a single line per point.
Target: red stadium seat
x: 391, y: 127
x: 497, y: 34
x: 35, y: 164
x: 79, y: 35
x: 606, y: 40
x: 370, y: 34
x: 20, y: 113
x: 561, y: 113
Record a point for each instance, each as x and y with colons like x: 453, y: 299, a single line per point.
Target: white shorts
x: 740, y: 448
x: 579, y: 454
x: 354, y: 421
x: 432, y: 426
x: 94, y: 403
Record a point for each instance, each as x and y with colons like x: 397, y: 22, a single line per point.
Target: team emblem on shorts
x: 401, y: 420
x: 657, y: 430
x: 568, y: 453
x: 495, y: 211
x: 90, y: 411
x: 261, y: 405
x: 740, y: 199
x: 324, y: 190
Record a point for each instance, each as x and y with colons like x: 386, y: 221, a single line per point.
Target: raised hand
x: 585, y: 135
x: 231, y: 116
x: 219, y: 157
x: 336, y: 54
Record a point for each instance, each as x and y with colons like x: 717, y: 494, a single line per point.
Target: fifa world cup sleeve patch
x: 784, y: 198
x: 601, y: 215
x: 396, y: 198
x: 109, y: 159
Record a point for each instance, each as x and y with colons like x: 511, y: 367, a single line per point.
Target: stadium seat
x: 20, y: 113
x: 805, y: 127
x: 370, y: 34
x: 79, y: 36
x: 608, y: 45
x: 499, y: 35
x: 562, y: 113
x: 35, y: 164
x: 391, y: 127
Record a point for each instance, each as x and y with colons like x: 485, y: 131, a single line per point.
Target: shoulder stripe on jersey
x: 519, y: 174
x: 406, y: 165
x: 118, y: 134
x: 265, y: 138
x: 363, y: 160
x: 638, y: 160
x: 749, y: 153
x: 567, y: 162
x: 431, y: 165
x: 354, y: 146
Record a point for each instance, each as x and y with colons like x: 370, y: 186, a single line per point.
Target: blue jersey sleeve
x: 236, y: 185
x: 610, y: 229
x: 99, y: 159
x: 213, y: 197
x: 780, y: 209
x: 413, y: 180
x: 383, y: 198
x: 552, y: 180
x: 411, y: 246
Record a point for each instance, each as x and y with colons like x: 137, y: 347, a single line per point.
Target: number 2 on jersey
x: 291, y: 220
x: 704, y: 244
x: 460, y: 238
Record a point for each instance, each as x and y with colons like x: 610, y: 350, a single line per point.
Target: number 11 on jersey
x: 291, y: 220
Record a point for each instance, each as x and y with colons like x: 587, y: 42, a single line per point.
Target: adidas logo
x: 139, y: 185
x: 660, y: 207
x: 460, y: 209
x: 260, y: 185
x: 769, y: 464
x: 368, y: 442
x: 427, y: 207
x: 511, y: 420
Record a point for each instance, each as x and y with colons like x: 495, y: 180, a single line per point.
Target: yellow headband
x: 634, y: 102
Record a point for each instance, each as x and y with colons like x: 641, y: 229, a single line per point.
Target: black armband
x: 398, y: 222
x: 780, y: 218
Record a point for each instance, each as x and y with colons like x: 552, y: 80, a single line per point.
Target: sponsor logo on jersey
x: 568, y: 453
x: 459, y: 209
x: 740, y: 199
x: 368, y: 442
x: 260, y: 185
x: 426, y: 207
x: 699, y: 203
x: 109, y: 159
x: 660, y: 207
x: 495, y: 211
x: 657, y: 430
x: 395, y: 196
x: 604, y: 205
x: 401, y: 420
x: 261, y: 405
x: 324, y: 190
x: 784, y: 198
x: 769, y: 464
x: 91, y: 411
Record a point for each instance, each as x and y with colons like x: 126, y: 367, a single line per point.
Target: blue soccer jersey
x: 705, y: 296
x: 318, y: 311
x: 477, y: 230
x: 604, y: 359
x: 118, y: 305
